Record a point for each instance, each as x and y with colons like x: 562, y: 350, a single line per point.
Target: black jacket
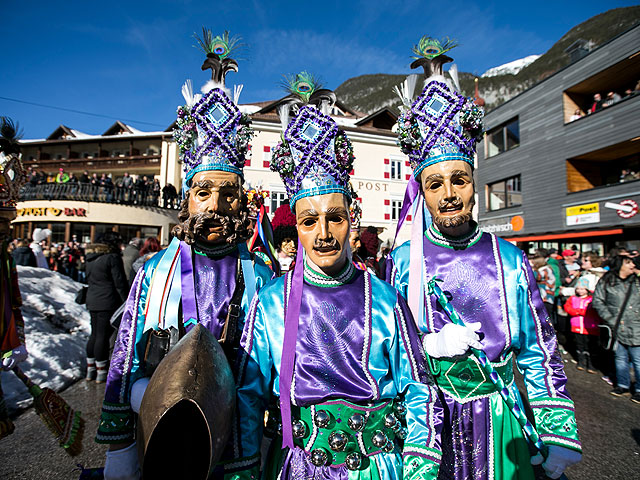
x: 24, y: 256
x: 108, y: 286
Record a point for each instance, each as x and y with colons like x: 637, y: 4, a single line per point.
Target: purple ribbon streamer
x: 189, y: 309
x: 410, y: 194
x: 291, y: 320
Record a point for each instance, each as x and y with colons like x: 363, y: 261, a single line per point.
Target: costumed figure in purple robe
x: 452, y: 270
x: 336, y: 345
x: 12, y: 343
x: 205, y: 278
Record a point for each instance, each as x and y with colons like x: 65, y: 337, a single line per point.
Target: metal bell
x: 322, y: 419
x: 356, y: 422
x: 299, y: 429
x: 319, y: 457
x: 402, y: 433
x: 388, y: 448
x: 338, y: 440
x: 379, y: 439
x: 353, y: 461
x: 390, y: 420
x: 401, y: 409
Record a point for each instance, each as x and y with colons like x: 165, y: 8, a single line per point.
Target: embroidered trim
x: 424, y: 452
x: 321, y: 280
x: 503, y: 304
x: 128, y: 359
x: 556, y: 421
x: 214, y: 251
x: 405, y: 341
x: 241, y: 463
x: 367, y: 336
x: 459, y: 243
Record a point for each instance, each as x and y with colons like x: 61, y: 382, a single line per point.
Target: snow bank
x: 511, y: 67
x: 56, y: 331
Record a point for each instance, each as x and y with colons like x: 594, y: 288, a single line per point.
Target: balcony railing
x: 85, y: 192
x: 105, y: 161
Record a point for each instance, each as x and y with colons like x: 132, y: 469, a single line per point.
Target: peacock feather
x: 302, y: 85
x: 432, y: 47
x: 220, y: 45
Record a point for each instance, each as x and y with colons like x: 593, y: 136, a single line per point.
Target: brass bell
x: 388, y: 448
x: 402, y: 433
x: 338, y: 440
x: 322, y: 419
x: 379, y: 439
x: 299, y: 429
x: 353, y: 461
x: 390, y: 420
x: 319, y: 457
x: 401, y: 409
x: 356, y: 422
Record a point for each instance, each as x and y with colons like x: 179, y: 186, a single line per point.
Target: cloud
x: 332, y: 57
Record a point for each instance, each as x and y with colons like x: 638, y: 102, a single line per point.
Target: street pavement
x: 609, y: 430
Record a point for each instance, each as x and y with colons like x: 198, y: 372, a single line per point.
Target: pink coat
x: 584, y: 318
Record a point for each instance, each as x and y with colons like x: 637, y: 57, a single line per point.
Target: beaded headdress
x: 441, y: 124
x: 314, y: 156
x: 12, y: 173
x: 212, y: 133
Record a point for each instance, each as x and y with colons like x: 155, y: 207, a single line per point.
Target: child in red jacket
x: 584, y: 324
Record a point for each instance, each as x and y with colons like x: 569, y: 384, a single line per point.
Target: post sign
x: 583, y: 214
x: 625, y: 208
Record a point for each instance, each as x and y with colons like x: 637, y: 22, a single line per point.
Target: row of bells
x: 338, y: 439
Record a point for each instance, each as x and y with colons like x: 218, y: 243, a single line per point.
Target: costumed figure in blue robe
x: 486, y: 282
x: 206, y: 276
x: 336, y: 345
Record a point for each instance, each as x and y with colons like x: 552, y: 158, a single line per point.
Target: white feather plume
x: 187, y: 93
x: 406, y: 90
x: 325, y: 107
x: 237, y: 89
x: 453, y: 73
x: 283, y: 113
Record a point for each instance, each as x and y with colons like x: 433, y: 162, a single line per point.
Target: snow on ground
x: 511, y: 67
x: 56, y: 331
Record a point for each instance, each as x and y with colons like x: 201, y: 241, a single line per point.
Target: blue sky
x: 128, y: 60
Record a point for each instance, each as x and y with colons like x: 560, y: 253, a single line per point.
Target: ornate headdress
x: 314, y: 156
x: 212, y: 133
x: 441, y: 124
x: 12, y: 173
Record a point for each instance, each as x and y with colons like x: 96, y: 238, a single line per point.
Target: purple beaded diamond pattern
x: 311, y: 137
x: 436, y: 109
x: 217, y: 119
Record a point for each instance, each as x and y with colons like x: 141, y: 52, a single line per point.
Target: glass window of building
x: 277, y: 199
x: 396, y: 169
x: 396, y: 207
x: 504, y: 194
x: 502, y: 138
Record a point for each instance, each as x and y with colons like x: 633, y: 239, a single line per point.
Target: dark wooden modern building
x: 555, y: 172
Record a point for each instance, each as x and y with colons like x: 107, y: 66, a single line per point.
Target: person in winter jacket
x: 608, y: 299
x: 23, y: 255
x: 584, y: 324
x: 107, y: 290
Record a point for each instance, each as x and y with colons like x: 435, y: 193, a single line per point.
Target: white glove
x: 14, y: 357
x: 452, y: 340
x: 558, y: 459
x: 122, y: 464
x: 137, y: 392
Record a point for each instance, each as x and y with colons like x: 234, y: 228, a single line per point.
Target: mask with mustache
x: 450, y: 222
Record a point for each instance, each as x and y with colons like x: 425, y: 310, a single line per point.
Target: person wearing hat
x: 205, y: 277
x: 584, y: 323
x: 474, y: 296
x: 335, y: 344
x: 12, y: 342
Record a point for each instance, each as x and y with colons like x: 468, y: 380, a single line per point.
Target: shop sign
x: 56, y: 212
x: 625, y: 209
x: 583, y: 214
x: 513, y: 224
x: 371, y: 186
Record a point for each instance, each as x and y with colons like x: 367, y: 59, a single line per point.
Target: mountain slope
x: 368, y: 93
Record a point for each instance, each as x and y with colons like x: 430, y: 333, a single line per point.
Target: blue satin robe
x: 366, y: 349
x: 490, y: 281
